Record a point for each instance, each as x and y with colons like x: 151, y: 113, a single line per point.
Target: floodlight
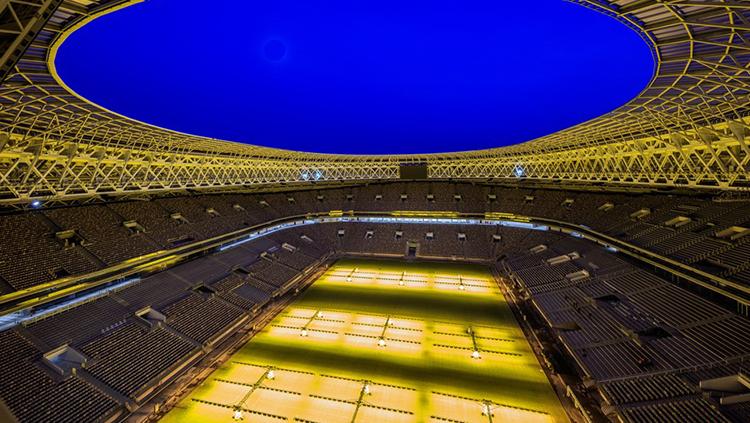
x: 475, y: 354
x: 367, y: 389
x: 486, y: 409
x: 303, y: 333
x: 401, y: 283
x: 349, y: 279
x: 237, y: 414
x: 271, y: 374
x: 381, y: 342
x: 461, y: 287
x: 36, y: 204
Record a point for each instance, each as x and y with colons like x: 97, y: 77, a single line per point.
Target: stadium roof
x: 686, y: 129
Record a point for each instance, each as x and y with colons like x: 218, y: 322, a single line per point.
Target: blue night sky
x: 361, y: 77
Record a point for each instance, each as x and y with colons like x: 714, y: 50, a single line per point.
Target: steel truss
x: 20, y: 21
x: 688, y: 128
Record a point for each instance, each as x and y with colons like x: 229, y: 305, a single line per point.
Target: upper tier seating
x: 683, y: 228
x: 30, y: 255
x: 103, y: 232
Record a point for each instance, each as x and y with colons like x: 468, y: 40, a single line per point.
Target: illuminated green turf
x: 427, y: 356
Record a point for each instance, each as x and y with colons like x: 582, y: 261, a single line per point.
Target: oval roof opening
x: 385, y: 77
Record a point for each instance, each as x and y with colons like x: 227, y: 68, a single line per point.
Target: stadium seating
x: 200, y: 319
x: 636, y: 335
x: 132, y: 367
x: 34, y: 395
x: 644, y: 342
x: 26, y: 239
x: 687, y: 229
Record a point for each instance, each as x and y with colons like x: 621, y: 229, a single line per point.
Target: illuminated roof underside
x: 686, y: 129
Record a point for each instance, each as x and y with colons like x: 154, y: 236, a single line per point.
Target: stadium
x: 596, y: 273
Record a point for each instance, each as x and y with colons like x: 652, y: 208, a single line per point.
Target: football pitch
x: 383, y: 341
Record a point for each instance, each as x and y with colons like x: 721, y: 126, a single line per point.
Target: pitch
x: 381, y: 341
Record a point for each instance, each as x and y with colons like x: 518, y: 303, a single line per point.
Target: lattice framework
x: 688, y: 128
